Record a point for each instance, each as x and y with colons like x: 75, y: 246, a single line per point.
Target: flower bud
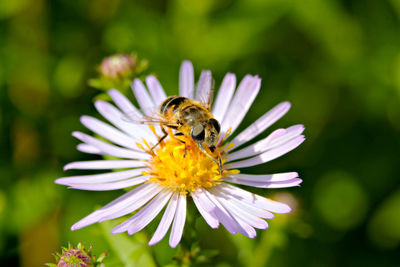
x: 77, y: 257
x: 117, y: 66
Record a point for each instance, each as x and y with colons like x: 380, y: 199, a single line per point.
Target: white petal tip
x: 136, y: 82
x: 215, y: 226
x: 284, y: 209
x: 102, y: 105
x: 76, y: 134
x: 152, y: 242
x: 67, y: 167
x: 187, y: 63
x: 59, y: 181
x: 173, y: 244
x: 114, y: 93
x: 77, y: 226
x: 116, y: 231
x: 99, y: 103
x: 84, y: 118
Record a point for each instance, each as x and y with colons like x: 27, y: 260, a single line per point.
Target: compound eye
x: 215, y: 123
x: 198, y: 133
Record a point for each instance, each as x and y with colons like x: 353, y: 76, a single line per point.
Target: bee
x: 190, y: 118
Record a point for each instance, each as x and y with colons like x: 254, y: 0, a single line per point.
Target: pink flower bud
x: 117, y: 65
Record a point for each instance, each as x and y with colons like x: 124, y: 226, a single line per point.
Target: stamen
x: 147, y: 144
x: 139, y: 145
x: 180, y: 165
x: 153, y: 129
x: 230, y: 146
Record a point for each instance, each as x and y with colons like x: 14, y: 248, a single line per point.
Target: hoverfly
x: 190, y: 118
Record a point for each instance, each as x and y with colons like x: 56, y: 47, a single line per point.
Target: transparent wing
x: 210, y: 96
x: 153, y: 119
x: 206, y: 99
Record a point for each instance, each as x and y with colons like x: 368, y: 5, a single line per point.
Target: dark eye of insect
x: 215, y: 123
x: 198, y: 133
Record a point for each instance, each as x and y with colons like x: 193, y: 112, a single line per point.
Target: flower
x: 117, y: 65
x: 171, y: 172
x: 77, y: 256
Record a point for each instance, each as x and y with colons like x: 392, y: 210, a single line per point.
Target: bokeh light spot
x: 340, y: 200
x: 68, y: 76
x: 383, y: 228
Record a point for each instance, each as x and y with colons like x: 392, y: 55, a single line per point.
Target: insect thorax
x: 185, y: 111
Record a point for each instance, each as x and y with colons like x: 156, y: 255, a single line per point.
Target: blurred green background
x: 337, y: 61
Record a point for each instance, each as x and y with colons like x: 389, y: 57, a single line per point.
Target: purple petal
x: 186, y: 79
x: 269, y: 154
x: 262, y: 123
x: 224, y: 96
x: 166, y: 220
x: 85, y: 148
x: 245, y: 228
x: 100, y: 178
x: 123, y: 122
x: 205, y: 212
x: 266, y: 178
x: 292, y: 132
x: 143, y: 97
x: 111, y: 185
x: 179, y: 222
x: 223, y: 215
x: 149, y: 212
x: 110, y: 149
x: 256, y: 211
x: 241, y: 102
x: 122, y: 205
x: 104, y: 164
x: 283, y: 184
x: 156, y: 90
x: 258, y: 201
x: 136, y: 202
x: 124, y: 104
x: 242, y: 227
x: 257, y: 147
x: 138, y: 221
x: 289, y: 183
x: 200, y: 195
x: 109, y: 132
x: 239, y: 213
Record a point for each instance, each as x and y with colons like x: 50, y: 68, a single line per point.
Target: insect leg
x: 161, y: 139
x: 218, y: 162
x: 183, y: 142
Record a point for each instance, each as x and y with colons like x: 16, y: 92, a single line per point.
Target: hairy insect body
x: 191, y: 118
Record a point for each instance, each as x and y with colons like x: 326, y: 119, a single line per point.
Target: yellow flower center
x: 178, y: 164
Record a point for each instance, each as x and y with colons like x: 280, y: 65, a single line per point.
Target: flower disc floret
x: 180, y: 165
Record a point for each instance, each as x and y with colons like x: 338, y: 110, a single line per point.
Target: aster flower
x: 167, y: 175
